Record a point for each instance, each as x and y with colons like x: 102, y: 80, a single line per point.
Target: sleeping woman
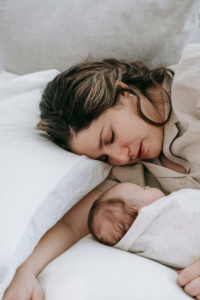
x: 135, y: 118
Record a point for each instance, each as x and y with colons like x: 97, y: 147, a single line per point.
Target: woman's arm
x: 69, y: 230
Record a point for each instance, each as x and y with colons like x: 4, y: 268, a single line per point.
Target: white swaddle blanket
x: 168, y: 230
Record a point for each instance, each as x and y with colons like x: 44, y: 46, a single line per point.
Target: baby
x: 145, y: 221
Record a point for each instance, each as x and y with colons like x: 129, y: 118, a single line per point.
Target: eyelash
x: 111, y: 141
x: 113, y: 137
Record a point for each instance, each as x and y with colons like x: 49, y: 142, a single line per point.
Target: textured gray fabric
x: 43, y: 34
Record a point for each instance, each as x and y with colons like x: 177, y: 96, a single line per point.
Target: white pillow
x: 39, y: 181
x: 92, y: 271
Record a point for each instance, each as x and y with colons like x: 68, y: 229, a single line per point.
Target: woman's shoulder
x: 186, y: 79
x: 190, y: 57
x: 184, y: 128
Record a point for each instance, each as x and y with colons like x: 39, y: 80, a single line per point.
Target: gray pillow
x: 43, y: 34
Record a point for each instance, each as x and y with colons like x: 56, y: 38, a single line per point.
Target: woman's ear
x: 121, y: 84
x: 124, y: 93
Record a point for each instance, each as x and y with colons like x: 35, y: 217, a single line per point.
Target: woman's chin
x: 154, y: 154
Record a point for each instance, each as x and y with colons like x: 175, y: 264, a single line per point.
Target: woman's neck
x: 171, y: 165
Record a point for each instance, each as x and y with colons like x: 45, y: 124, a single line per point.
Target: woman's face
x: 119, y: 136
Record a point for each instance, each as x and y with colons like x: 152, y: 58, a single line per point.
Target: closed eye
x: 105, y: 157
x: 113, y: 137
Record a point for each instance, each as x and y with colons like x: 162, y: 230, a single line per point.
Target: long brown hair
x: 82, y: 93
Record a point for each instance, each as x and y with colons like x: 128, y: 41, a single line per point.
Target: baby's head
x: 113, y: 213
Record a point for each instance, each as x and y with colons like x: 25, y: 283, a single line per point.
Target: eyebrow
x: 100, y: 139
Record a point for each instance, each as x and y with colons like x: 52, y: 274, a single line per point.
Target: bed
x: 38, y: 39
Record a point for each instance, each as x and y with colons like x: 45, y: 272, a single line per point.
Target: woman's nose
x: 119, y: 156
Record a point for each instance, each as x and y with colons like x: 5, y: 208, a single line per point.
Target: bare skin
x: 68, y: 231
x: 171, y: 165
x: 119, y: 145
x: 110, y: 231
x: 122, y: 131
x: 73, y: 226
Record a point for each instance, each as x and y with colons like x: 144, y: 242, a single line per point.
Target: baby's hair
x: 104, y: 221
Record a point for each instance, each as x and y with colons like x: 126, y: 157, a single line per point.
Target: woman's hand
x: 189, y: 279
x: 64, y: 234
x: 24, y: 286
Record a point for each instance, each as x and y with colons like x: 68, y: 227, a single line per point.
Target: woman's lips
x: 141, y: 154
